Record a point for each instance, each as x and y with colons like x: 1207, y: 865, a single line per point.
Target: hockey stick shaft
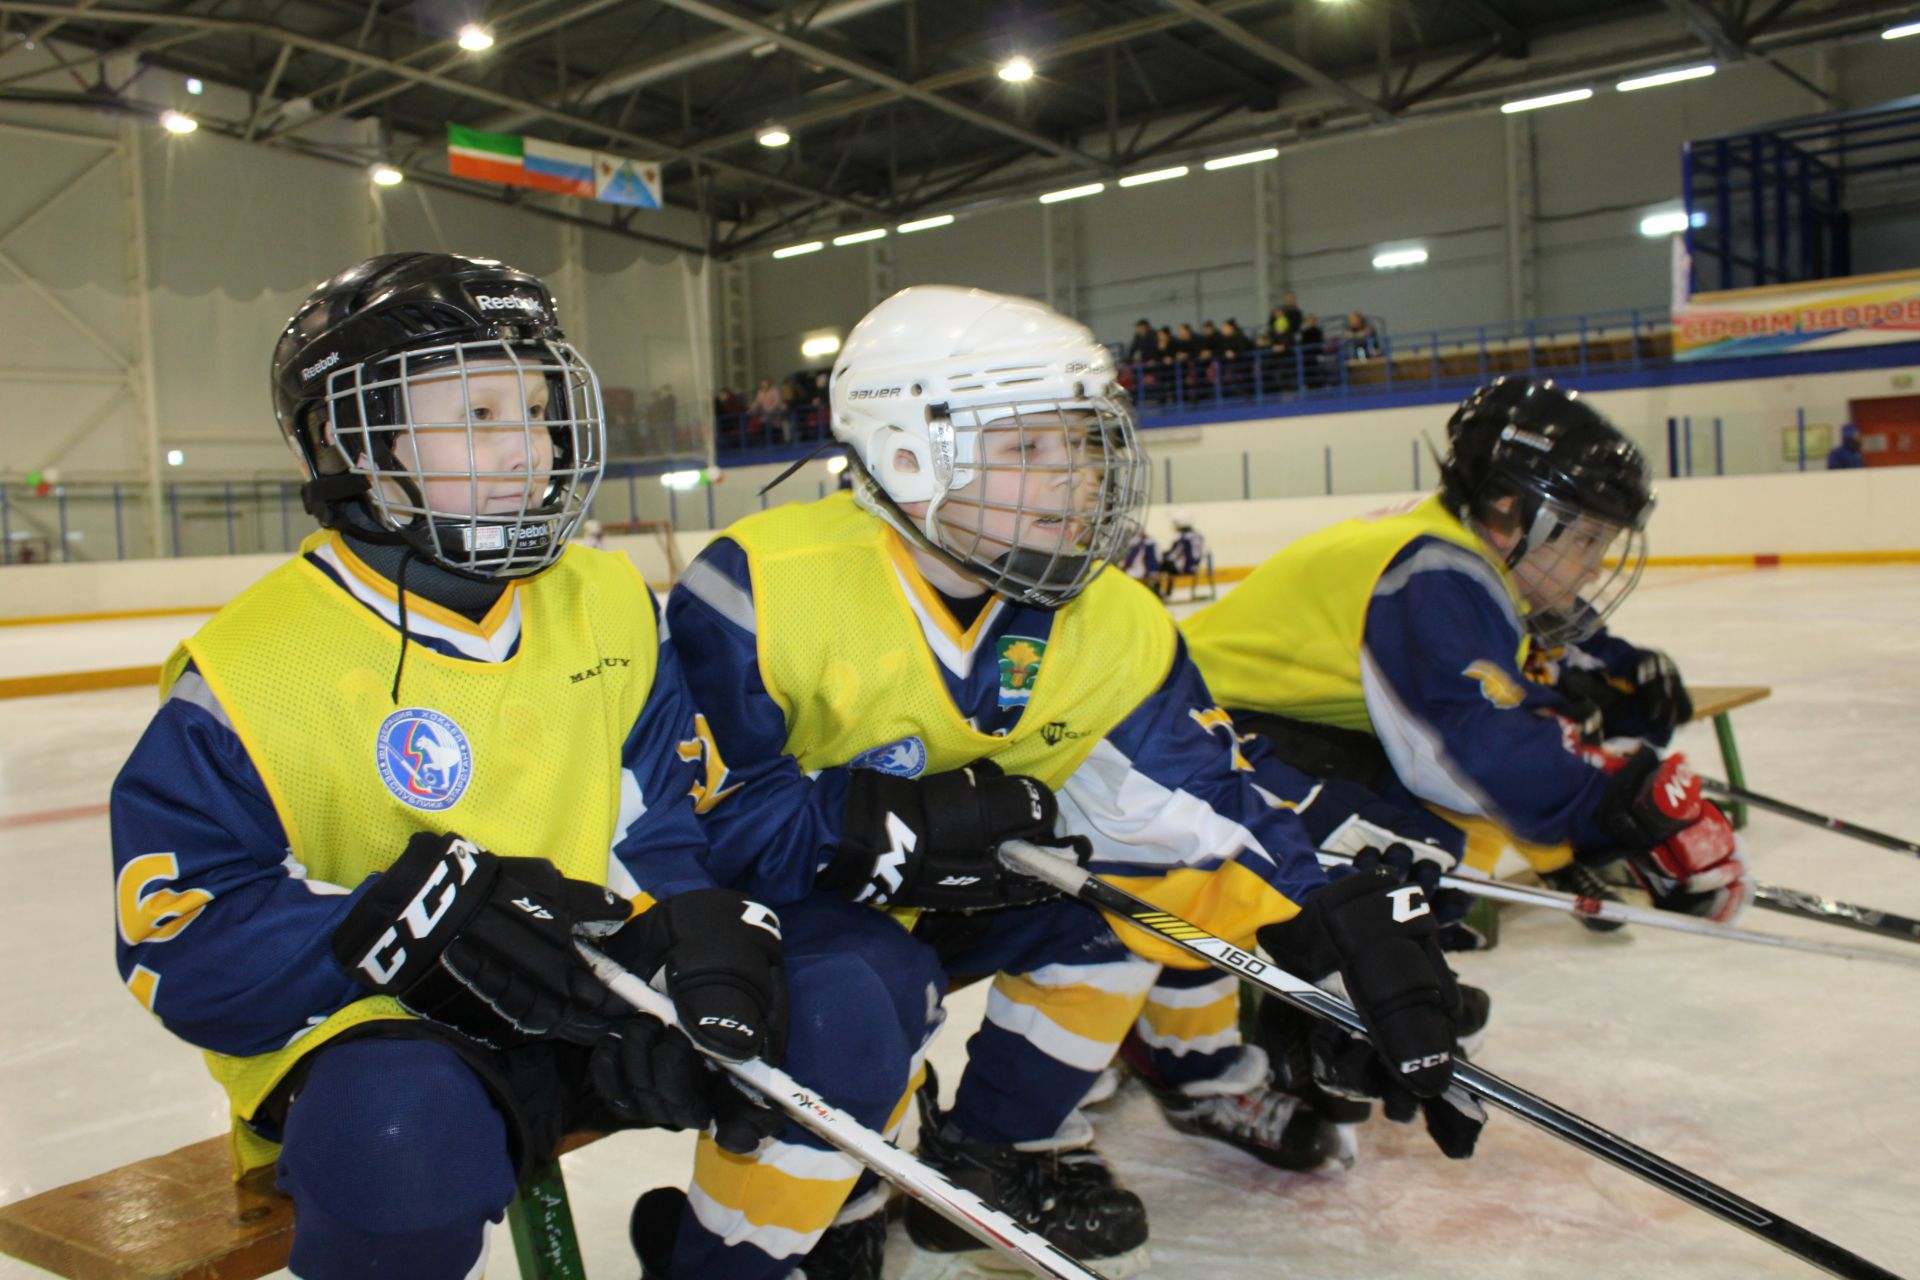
x: 1811, y: 906
x: 840, y: 1130
x: 1627, y: 913
x: 1077, y: 882
x: 1838, y: 826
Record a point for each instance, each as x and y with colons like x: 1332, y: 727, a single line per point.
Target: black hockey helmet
x: 1532, y: 461
x: 341, y: 375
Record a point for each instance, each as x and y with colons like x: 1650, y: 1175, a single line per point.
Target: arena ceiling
x: 896, y: 108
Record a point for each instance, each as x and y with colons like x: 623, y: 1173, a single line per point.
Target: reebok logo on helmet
x: 508, y: 302
x: 1528, y: 438
x: 319, y: 367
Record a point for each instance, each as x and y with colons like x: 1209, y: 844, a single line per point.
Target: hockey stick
x: 1811, y: 906
x: 1077, y: 882
x: 1626, y: 913
x: 959, y: 1206
x: 1808, y: 816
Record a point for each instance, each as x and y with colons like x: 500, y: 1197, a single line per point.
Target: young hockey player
x: 1393, y: 649
x: 941, y: 661
x: 1186, y: 555
x: 389, y: 782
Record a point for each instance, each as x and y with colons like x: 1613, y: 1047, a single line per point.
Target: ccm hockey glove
x: 934, y: 842
x: 1380, y: 933
x: 480, y: 943
x: 717, y: 954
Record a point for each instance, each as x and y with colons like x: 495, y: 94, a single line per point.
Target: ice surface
x: 1788, y: 1078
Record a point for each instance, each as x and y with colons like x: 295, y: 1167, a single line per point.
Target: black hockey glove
x: 1658, y: 705
x: 480, y: 943
x: 1349, y: 1067
x: 651, y: 1076
x: 720, y: 954
x: 1650, y: 705
x: 934, y: 842
x: 1380, y: 932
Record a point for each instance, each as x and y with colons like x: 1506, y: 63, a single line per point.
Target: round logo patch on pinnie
x: 424, y: 758
x: 903, y: 758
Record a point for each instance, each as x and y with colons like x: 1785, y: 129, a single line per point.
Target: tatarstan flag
x: 490, y: 157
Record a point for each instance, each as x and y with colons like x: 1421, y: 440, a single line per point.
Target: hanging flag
x: 490, y: 157
x: 618, y: 180
x: 568, y: 171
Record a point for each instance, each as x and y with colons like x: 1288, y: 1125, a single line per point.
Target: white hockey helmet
x: 1182, y: 518
x: 1003, y: 417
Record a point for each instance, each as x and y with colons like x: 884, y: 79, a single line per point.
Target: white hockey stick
x: 961, y: 1207
x: 1626, y: 913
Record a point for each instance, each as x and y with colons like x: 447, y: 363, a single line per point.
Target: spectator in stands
x: 1361, y: 338
x: 1142, y: 561
x: 1313, y: 349
x: 1235, y: 367
x: 1141, y: 349
x: 1185, y: 344
x: 728, y: 403
x: 1846, y: 455
x: 768, y: 410
x: 1160, y: 373
x: 1284, y: 323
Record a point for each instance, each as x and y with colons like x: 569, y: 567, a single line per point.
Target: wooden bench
x: 1716, y: 702
x: 181, y: 1216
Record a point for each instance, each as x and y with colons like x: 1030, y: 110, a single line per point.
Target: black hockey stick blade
x: 1811, y: 906
x: 1814, y: 1250
x: 1838, y: 826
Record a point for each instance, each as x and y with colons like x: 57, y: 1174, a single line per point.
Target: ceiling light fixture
x: 1073, y: 193
x: 773, y: 136
x: 474, y: 38
x: 859, y: 237
x: 1891, y: 33
x: 1659, y: 78
x: 1245, y: 157
x: 175, y: 122
x: 925, y: 224
x: 1157, y: 175
x: 795, y: 250
x: 1016, y: 70
x: 1545, y: 100
x: 385, y: 175
x: 1393, y: 258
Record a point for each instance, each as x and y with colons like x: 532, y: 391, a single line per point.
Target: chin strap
x: 406, y: 558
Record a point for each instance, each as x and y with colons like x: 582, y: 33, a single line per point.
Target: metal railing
x: 1271, y: 378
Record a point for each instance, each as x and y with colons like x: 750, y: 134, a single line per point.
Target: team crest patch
x: 1019, y: 667
x: 424, y: 758
x: 905, y: 758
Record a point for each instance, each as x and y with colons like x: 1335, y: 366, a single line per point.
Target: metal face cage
x: 1040, y: 496
x: 491, y: 482
x: 1576, y: 570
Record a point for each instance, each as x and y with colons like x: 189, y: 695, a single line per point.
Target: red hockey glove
x: 1699, y: 871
